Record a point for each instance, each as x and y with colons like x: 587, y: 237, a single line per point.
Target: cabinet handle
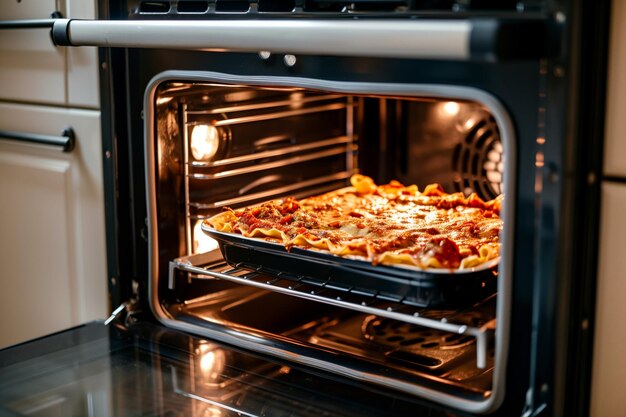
x: 66, y: 141
x: 27, y: 24
x: 31, y: 23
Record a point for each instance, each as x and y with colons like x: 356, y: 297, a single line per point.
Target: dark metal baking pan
x: 424, y: 288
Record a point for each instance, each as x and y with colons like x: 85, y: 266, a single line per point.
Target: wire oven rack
x: 477, y: 320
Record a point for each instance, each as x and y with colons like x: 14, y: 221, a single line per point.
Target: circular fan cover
x: 478, y: 160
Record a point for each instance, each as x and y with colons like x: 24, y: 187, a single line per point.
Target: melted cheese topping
x: 389, y: 224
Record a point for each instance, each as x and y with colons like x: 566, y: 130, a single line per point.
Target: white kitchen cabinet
x: 82, y: 63
x: 609, y: 354
x: 609, y: 358
x: 615, y: 146
x: 33, y: 70
x: 52, y: 244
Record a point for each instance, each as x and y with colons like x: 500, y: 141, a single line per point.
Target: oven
x: 216, y: 105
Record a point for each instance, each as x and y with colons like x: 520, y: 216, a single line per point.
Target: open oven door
x: 147, y: 370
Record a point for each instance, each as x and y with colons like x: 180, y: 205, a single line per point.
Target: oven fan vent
x: 232, y: 6
x: 154, y: 8
x: 193, y: 6
x: 478, y: 160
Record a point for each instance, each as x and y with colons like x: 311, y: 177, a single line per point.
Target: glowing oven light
x: 451, y: 108
x: 212, y: 363
x: 205, y: 141
x: 212, y: 411
x: 163, y: 100
x: 201, y: 242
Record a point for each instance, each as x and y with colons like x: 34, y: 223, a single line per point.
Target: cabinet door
x: 609, y: 356
x: 82, y: 63
x: 609, y: 352
x: 32, y: 69
x: 52, y: 245
x: 615, y: 145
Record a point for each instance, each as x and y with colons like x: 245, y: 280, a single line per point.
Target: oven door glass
x: 146, y: 370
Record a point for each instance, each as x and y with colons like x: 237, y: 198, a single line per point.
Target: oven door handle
x: 66, y: 141
x: 487, y: 39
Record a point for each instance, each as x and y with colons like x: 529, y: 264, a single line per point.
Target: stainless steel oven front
x: 211, y: 107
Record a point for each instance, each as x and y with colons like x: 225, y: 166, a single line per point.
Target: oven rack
x: 478, y: 320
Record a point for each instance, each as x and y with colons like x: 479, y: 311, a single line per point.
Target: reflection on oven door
x: 146, y: 370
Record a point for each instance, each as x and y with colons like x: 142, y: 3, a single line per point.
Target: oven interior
x: 219, y: 145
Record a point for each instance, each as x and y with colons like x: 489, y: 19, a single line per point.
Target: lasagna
x: 389, y: 224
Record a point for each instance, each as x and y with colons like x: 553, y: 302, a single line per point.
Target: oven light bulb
x: 451, y: 108
x: 205, y: 140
